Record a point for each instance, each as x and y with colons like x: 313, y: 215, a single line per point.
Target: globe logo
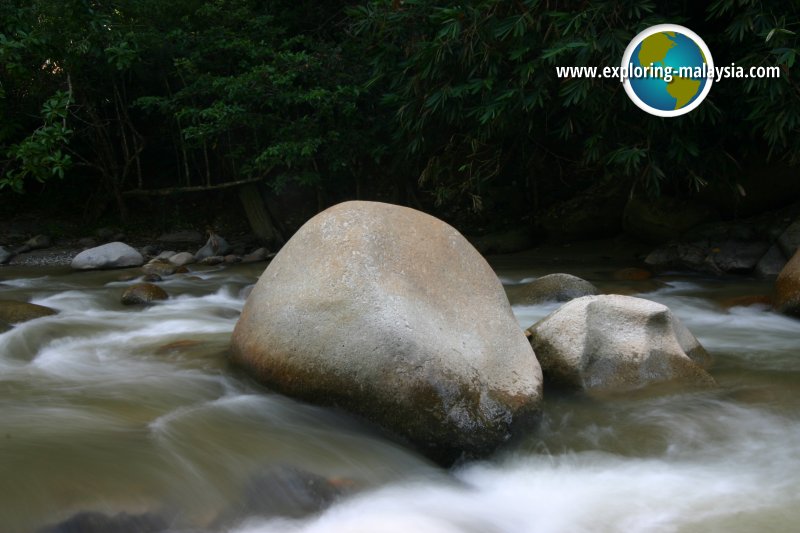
x: 669, y: 70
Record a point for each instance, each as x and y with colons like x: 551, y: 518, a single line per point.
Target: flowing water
x: 119, y: 410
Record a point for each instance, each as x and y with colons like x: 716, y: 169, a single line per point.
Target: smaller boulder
x: 14, y: 312
x: 143, y: 294
x: 165, y: 255
x: 111, y: 255
x: 232, y: 259
x: 550, y: 288
x: 617, y: 343
x: 787, y: 287
x: 182, y: 259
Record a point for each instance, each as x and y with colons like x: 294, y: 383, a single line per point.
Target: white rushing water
x: 118, y: 410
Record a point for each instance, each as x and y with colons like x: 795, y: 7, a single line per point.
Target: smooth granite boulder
x: 365, y: 308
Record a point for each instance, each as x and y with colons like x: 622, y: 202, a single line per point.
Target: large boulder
x: 787, y: 287
x: 14, y: 312
x: 617, y: 343
x: 365, y: 309
x: 550, y: 288
x: 111, y: 255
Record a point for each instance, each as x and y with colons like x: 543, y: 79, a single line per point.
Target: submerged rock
x: 111, y: 255
x: 550, y: 288
x: 287, y: 491
x: 616, y: 343
x: 365, y: 308
x: 143, y: 294
x: 94, y: 522
x: 14, y: 312
x: 787, y: 287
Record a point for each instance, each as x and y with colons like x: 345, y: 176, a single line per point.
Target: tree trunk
x: 258, y: 215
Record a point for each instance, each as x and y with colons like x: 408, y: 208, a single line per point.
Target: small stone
x: 182, y: 259
x: 152, y: 278
x: 143, y: 294
x: 256, y: 256
x: 165, y: 255
x: 158, y: 268
x: 231, y: 259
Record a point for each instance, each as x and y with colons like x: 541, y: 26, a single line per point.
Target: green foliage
x: 40, y: 155
x: 476, y: 99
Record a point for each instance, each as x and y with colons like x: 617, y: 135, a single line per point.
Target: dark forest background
x: 158, y: 114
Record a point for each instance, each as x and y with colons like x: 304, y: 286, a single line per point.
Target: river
x: 120, y: 410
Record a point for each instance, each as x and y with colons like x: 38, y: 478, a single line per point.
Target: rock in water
x: 13, y: 312
x: 181, y: 259
x: 215, y: 246
x: 365, y: 308
x: 111, y: 255
x: 550, y: 288
x: 787, y: 287
x: 616, y: 343
x: 94, y: 522
x: 143, y: 294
